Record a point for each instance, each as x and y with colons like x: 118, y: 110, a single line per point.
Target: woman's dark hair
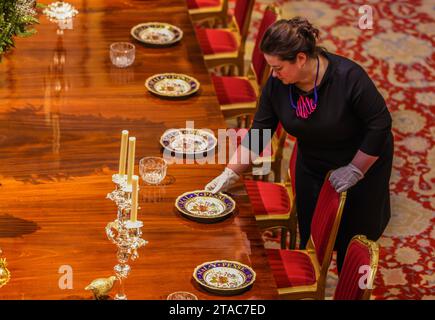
x: 286, y: 38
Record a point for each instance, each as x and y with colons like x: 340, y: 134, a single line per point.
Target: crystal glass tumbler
x: 152, y: 170
x: 122, y: 54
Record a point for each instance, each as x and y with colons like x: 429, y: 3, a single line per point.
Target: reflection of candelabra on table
x: 56, y: 84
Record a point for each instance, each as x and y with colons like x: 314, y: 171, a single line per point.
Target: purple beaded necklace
x: 305, y: 105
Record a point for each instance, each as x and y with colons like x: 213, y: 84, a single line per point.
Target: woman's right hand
x: 223, y: 182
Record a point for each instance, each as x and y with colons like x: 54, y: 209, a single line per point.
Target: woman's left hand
x: 345, y: 177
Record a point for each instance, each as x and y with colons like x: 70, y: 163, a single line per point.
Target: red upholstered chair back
x: 358, y: 271
x: 271, y: 14
x: 242, y: 14
x: 325, y: 223
x: 242, y: 11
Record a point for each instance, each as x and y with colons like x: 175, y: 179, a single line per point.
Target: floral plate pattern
x: 224, y: 277
x: 204, y: 206
x: 188, y: 141
x: 172, y: 85
x: 157, y: 33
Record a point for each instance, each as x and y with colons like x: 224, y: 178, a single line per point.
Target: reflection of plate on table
x: 156, y: 33
x: 224, y: 277
x: 204, y: 206
x: 188, y: 141
x: 173, y: 85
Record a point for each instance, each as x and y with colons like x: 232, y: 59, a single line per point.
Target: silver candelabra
x: 126, y: 234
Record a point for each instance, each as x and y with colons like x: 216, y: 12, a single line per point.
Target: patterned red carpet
x: 398, y: 54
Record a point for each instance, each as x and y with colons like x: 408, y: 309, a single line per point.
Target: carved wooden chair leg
x: 239, y: 122
x: 240, y: 66
x: 276, y: 169
x: 284, y: 232
x: 293, y: 232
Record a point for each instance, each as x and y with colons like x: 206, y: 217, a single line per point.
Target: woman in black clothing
x: 341, y: 123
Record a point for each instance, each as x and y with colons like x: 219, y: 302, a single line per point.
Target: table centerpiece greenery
x: 16, y: 19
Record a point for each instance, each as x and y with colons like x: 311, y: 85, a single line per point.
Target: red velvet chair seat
x: 197, y: 4
x: 214, y: 41
x: 267, y: 197
x: 231, y: 90
x: 291, y: 268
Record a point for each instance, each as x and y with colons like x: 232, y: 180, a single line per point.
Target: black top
x: 351, y: 114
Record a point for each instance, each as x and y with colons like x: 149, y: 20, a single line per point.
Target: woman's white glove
x: 345, y: 177
x: 223, y: 182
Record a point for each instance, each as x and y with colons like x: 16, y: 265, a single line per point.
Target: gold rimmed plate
x: 224, y: 277
x: 157, y: 33
x: 204, y: 206
x: 172, y: 85
x: 188, y: 141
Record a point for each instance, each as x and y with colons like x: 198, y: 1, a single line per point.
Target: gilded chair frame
x: 373, y: 249
x: 244, y: 112
x: 213, y: 14
x: 317, y: 290
x: 247, y: 110
x: 274, y: 159
x: 238, y: 110
x: 236, y: 57
x: 287, y: 220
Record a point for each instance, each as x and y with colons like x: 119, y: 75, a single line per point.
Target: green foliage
x: 16, y: 18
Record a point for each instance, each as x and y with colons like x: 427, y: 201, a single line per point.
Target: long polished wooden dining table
x: 63, y: 106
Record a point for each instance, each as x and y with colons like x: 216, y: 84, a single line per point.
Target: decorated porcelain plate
x: 188, y: 141
x: 157, y: 33
x: 204, y: 206
x: 172, y: 85
x: 224, y: 277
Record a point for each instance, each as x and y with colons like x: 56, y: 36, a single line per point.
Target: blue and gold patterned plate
x: 204, y: 206
x: 188, y: 141
x: 157, y: 33
x: 172, y: 85
x: 224, y: 277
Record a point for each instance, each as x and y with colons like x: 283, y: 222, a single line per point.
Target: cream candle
x: 134, y: 198
x: 123, y: 153
x: 131, y: 154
